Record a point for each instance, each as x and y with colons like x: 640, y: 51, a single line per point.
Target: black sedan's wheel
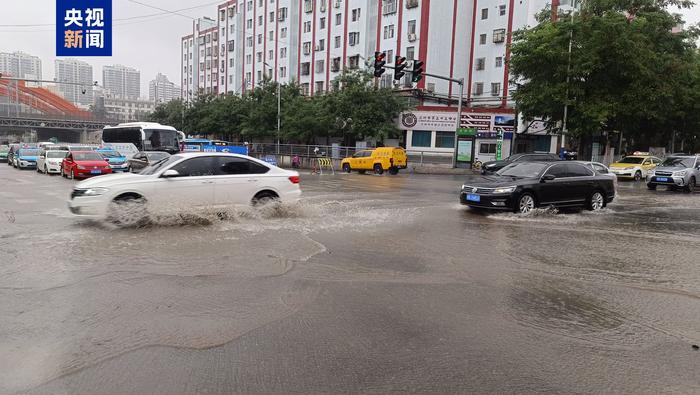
x: 346, y: 167
x: 596, y: 201
x: 378, y: 169
x: 526, y: 203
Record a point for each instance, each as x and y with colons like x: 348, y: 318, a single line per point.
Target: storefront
x: 434, y: 132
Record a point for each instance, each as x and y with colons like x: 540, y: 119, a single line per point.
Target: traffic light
x: 417, y: 70
x: 400, y: 64
x: 379, y: 62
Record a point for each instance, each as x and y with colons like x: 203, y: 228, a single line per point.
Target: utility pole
x: 279, y: 109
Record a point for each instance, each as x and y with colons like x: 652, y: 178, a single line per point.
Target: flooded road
x: 371, y: 284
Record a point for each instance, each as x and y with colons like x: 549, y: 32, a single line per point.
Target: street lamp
x: 279, y: 109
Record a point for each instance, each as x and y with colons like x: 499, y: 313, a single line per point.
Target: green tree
x: 628, y: 68
x: 170, y: 113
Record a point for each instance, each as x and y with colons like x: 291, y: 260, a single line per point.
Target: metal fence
x: 284, y: 152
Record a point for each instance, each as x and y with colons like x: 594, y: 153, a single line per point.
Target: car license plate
x: 95, y: 171
x: 661, y: 179
x: 473, y: 198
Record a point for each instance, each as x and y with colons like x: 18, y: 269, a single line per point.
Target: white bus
x: 145, y: 136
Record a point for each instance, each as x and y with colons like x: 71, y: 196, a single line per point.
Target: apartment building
x: 162, y: 90
x: 74, y: 71
x: 312, y: 41
x: 121, y: 81
x: 21, y: 65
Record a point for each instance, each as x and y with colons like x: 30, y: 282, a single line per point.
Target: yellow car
x: 634, y: 166
x: 378, y: 160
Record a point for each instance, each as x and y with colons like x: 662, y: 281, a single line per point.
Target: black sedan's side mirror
x: 548, y: 177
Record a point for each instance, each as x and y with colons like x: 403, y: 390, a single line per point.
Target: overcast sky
x: 151, y: 45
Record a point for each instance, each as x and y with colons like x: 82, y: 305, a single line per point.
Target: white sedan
x: 185, y: 182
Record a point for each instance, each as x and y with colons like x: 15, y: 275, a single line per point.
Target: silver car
x: 676, y: 172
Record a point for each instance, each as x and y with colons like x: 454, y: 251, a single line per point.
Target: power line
x: 161, y: 9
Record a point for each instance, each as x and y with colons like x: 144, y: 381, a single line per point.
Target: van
x: 379, y: 160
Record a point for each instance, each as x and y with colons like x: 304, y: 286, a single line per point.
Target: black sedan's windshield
x: 523, y: 169
x: 678, y: 162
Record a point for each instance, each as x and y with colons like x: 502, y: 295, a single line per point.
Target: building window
x: 272, y: 16
x: 319, y: 87
x: 355, y: 15
x: 249, y: 59
x: 389, y: 7
x: 390, y: 56
x: 484, y: 13
x: 322, y: 23
x: 283, y: 72
x: 502, y: 9
x: 482, y: 39
x: 412, y: 26
x: 282, y: 14
x: 495, y: 89
x: 249, y: 24
x: 230, y: 63
x: 338, y: 19
x: 283, y: 52
x: 478, y: 88
x: 283, y: 32
x: 410, y: 53
x: 260, y: 20
x: 230, y: 79
x: 258, y: 57
x: 271, y: 36
x: 307, y: 48
x: 499, y: 35
x: 308, y: 6
x: 480, y: 63
x: 322, y: 45
x: 444, y: 140
x: 319, y: 67
x: 249, y: 41
x: 305, y: 89
x: 421, y: 138
x: 354, y: 62
x: 305, y: 67
x: 270, y: 54
x: 337, y: 41
x: 335, y: 65
x: 259, y: 38
x: 499, y: 62
x: 487, y: 148
x: 307, y: 27
x: 388, y: 31
x: 354, y: 38
x: 260, y: 76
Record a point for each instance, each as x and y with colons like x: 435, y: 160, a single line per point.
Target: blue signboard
x: 83, y: 27
x: 231, y: 149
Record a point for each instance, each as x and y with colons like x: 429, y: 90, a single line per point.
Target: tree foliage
x: 629, y: 69
x: 355, y: 111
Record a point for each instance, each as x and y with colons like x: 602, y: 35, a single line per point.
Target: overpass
x: 30, y: 127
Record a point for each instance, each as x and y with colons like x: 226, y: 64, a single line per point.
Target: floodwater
x: 371, y: 284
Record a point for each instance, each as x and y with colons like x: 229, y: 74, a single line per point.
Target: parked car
x: 50, y: 161
x: 83, y: 164
x: 496, y: 165
x: 634, y: 166
x: 602, y: 170
x: 116, y: 160
x: 676, y: 172
x: 4, y: 149
x: 522, y: 187
x: 185, y: 181
x: 25, y: 158
x: 379, y: 160
x: 143, y: 159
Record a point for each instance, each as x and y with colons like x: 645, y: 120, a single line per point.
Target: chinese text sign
x: 83, y: 27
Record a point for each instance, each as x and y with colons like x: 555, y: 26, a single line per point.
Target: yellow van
x: 378, y: 160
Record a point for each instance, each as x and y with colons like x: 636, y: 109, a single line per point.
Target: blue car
x: 26, y: 158
x: 116, y: 160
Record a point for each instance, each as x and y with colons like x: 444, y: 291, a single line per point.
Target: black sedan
x: 496, y: 165
x: 521, y: 187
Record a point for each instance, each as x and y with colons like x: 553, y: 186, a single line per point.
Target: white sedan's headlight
x: 680, y: 173
x: 95, y: 191
x: 504, y: 190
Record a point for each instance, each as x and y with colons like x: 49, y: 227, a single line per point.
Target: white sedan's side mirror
x: 170, y: 173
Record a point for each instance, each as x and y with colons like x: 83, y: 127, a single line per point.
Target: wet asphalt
x: 371, y: 284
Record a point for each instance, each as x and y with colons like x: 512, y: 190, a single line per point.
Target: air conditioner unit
x: 337, y: 4
x: 323, y: 6
x: 412, y: 37
x: 317, y: 48
x: 411, y: 3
